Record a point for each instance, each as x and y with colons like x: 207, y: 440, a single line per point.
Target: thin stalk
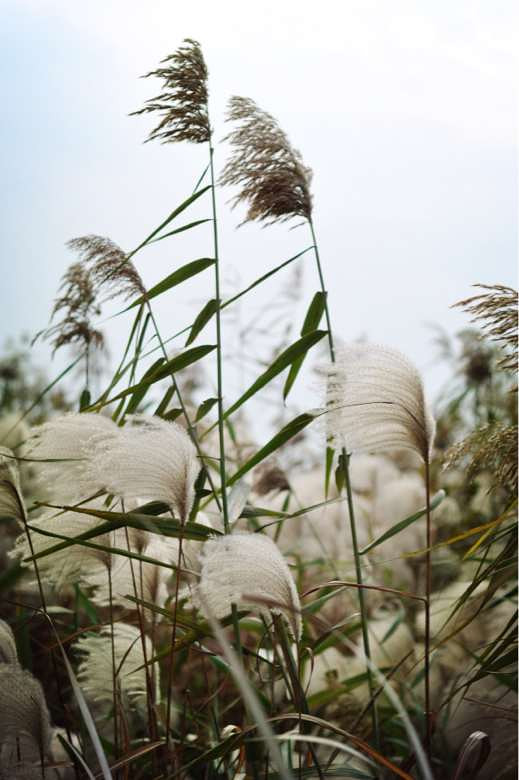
x: 351, y: 512
x: 114, y: 673
x: 427, y: 641
x: 172, y: 651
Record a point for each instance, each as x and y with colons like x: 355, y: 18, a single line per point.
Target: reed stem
x: 349, y: 495
x: 427, y: 641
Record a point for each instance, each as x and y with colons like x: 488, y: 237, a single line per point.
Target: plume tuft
x: 376, y: 402
x: 271, y: 175
x: 150, y: 459
x: 182, y: 104
x: 11, y: 502
x: 248, y: 570
x: 8, y: 652
x: 23, y: 710
x: 109, y: 266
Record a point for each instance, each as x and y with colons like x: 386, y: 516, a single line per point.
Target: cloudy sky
x: 405, y: 111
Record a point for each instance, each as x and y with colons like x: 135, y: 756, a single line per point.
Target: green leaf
x: 84, y: 400
x: 177, y: 277
x: 330, y: 452
x: 166, y: 369
x: 172, y: 415
x: 311, y: 323
x: 143, y: 387
x: 202, y: 319
x: 205, y: 407
x: 171, y: 217
x: 180, y: 229
x: 283, y: 360
x: 437, y: 499
x: 290, y: 430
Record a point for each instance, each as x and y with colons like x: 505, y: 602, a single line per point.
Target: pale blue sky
x: 404, y: 110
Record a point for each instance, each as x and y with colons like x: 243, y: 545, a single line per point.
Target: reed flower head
x: 376, y: 402
x: 182, y: 104
x: 150, y: 459
x: 271, y: 175
x: 64, y: 440
x: 11, y: 501
x: 108, y: 266
x: 95, y: 668
x: 23, y: 710
x: 8, y: 652
x: 248, y: 570
x: 78, y: 306
x: 497, y: 312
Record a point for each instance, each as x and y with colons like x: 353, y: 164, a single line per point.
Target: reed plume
x: 182, y: 104
x: 108, y: 266
x: 8, y: 652
x: 59, y: 450
x: 78, y: 304
x: 248, y: 570
x: 376, y: 402
x: 149, y: 458
x: 496, y: 311
x: 271, y: 175
x: 23, y: 709
x: 95, y: 667
x: 11, y: 502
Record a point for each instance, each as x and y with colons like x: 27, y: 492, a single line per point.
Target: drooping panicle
x: 23, y: 710
x: 58, y: 449
x: 182, y: 104
x: 95, y: 668
x: 272, y: 178
x: 109, y: 267
x: 375, y: 401
x: 248, y: 570
x: 78, y: 305
x: 11, y: 501
x: 149, y: 458
x: 497, y: 312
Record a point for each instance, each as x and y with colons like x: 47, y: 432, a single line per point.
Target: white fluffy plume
x: 8, y: 651
x: 23, y: 710
x: 61, y: 443
x: 95, y: 668
x: 375, y: 402
x: 248, y: 570
x: 149, y: 459
x: 11, y: 501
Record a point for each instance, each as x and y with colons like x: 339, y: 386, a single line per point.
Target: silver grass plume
x: 8, y: 651
x: 94, y: 672
x: 109, y: 267
x: 375, y: 402
x: 11, y: 501
x: 271, y: 175
x: 78, y: 563
x: 150, y: 459
x: 64, y: 440
x: 78, y: 305
x: 182, y: 104
x: 23, y: 710
x: 248, y: 570
x: 497, y: 313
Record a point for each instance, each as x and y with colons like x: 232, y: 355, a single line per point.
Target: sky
x: 405, y: 111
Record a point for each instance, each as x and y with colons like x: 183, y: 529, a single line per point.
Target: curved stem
x: 349, y: 496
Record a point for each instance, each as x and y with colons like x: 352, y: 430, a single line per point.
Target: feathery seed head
x: 248, y: 570
x: 95, y: 668
x: 8, y: 652
x: 23, y: 710
x: 271, y: 175
x: 64, y: 440
x: 497, y: 312
x: 11, y: 502
x: 149, y: 458
x: 108, y: 266
x: 78, y: 305
x: 182, y: 104
x: 376, y: 402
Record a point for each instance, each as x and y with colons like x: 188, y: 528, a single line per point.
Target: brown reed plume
x: 497, y: 314
x: 78, y: 303
x: 183, y: 100
x: 109, y: 267
x: 271, y: 175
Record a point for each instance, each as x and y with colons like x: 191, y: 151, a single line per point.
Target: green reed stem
x: 351, y: 512
x: 219, y: 377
